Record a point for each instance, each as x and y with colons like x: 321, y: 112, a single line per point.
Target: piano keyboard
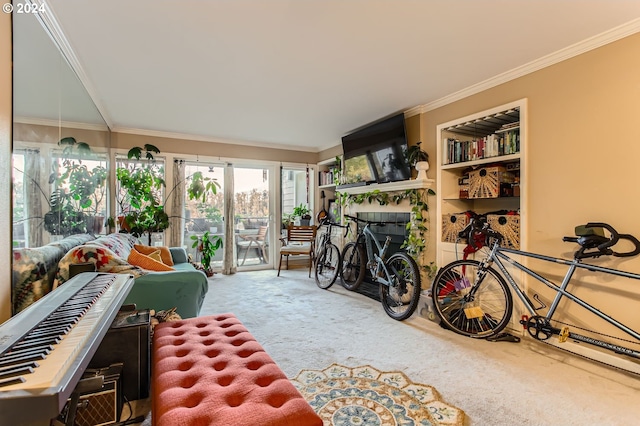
x: 45, y: 349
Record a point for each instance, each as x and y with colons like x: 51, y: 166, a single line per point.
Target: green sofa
x: 184, y: 288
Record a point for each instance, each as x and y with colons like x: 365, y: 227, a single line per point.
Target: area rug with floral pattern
x: 359, y: 396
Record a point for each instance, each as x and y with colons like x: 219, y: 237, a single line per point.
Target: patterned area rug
x: 365, y: 396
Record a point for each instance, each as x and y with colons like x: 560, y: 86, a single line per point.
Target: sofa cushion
x: 146, y: 262
x: 164, y: 252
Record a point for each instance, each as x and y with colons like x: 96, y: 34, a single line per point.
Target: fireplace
x: 396, y: 228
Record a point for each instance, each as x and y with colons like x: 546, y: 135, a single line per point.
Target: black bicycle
x: 398, y: 276
x: 328, y: 259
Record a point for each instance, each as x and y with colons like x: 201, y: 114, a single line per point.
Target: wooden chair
x: 257, y: 241
x: 300, y: 240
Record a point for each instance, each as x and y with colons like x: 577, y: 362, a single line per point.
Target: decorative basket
x: 508, y: 226
x: 485, y: 182
x: 451, y: 225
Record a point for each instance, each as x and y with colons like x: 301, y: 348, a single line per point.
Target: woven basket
x: 485, y: 182
x: 508, y: 226
x: 451, y: 225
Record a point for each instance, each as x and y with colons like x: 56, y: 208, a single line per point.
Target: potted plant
x: 207, y: 245
x: 303, y: 213
x: 287, y: 219
x: 419, y: 159
x: 139, y: 197
x: 79, y: 192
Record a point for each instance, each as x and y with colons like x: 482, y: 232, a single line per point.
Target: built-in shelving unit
x: 481, y: 169
x: 328, y: 170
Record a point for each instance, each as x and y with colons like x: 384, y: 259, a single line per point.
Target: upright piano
x: 45, y: 349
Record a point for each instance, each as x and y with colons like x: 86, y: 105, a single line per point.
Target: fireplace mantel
x: 389, y: 187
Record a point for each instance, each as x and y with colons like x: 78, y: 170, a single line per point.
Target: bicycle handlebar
x: 614, y: 234
x: 615, y: 237
x: 327, y: 222
x: 357, y: 219
x: 478, y: 225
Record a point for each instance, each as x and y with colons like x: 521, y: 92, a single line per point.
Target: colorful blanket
x: 108, y: 253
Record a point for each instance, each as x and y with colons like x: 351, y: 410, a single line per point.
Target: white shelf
x: 327, y: 186
x: 497, y: 159
x: 389, y: 187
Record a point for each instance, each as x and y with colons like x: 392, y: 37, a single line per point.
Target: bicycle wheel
x: 327, y: 266
x: 400, y: 299
x: 353, y: 266
x: 470, y: 306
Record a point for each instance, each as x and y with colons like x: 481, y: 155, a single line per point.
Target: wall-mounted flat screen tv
x: 377, y: 152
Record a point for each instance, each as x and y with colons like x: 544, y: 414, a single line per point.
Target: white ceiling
x: 302, y: 74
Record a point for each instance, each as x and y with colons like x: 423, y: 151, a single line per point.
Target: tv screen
x: 377, y: 152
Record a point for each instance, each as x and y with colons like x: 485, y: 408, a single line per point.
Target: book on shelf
x: 326, y: 177
x: 494, y: 145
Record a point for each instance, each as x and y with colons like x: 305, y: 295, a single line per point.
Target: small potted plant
x: 303, y: 213
x: 207, y: 245
x: 419, y: 159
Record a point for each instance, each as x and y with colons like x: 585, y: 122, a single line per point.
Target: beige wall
x: 583, y: 152
x: 210, y: 149
x: 5, y: 168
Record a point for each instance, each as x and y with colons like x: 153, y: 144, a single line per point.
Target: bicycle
x: 472, y: 298
x: 398, y: 276
x: 328, y: 258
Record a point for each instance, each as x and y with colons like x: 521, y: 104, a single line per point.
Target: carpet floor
x: 495, y: 383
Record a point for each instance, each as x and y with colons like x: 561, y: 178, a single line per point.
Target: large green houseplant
x: 140, y: 193
x: 79, y: 191
x: 140, y: 196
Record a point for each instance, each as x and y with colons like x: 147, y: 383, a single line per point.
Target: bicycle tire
x: 328, y: 266
x: 353, y: 266
x: 400, y: 299
x: 468, y: 307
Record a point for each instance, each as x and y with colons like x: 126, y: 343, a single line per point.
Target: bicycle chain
x: 595, y: 332
x: 589, y: 358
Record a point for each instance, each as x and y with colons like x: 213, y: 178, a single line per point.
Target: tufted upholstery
x: 211, y: 371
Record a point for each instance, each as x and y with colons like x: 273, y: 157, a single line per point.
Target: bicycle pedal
x: 504, y: 337
x: 563, y: 335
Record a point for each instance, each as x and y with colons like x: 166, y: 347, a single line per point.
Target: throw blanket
x: 108, y: 253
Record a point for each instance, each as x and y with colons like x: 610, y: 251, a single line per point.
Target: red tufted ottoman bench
x: 211, y: 371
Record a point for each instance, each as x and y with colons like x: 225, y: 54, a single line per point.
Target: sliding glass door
x: 252, y: 221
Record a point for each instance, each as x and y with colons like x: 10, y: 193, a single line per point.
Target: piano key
x: 44, y: 349
x: 12, y: 381
x: 18, y: 367
x: 16, y: 372
x: 6, y: 361
x: 48, y: 332
x: 37, y: 343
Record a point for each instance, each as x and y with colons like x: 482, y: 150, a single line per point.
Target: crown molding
x: 569, y: 52
x: 50, y: 24
x: 56, y: 123
x: 200, y: 138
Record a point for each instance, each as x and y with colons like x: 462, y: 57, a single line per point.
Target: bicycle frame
x: 369, y: 241
x: 499, y: 254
